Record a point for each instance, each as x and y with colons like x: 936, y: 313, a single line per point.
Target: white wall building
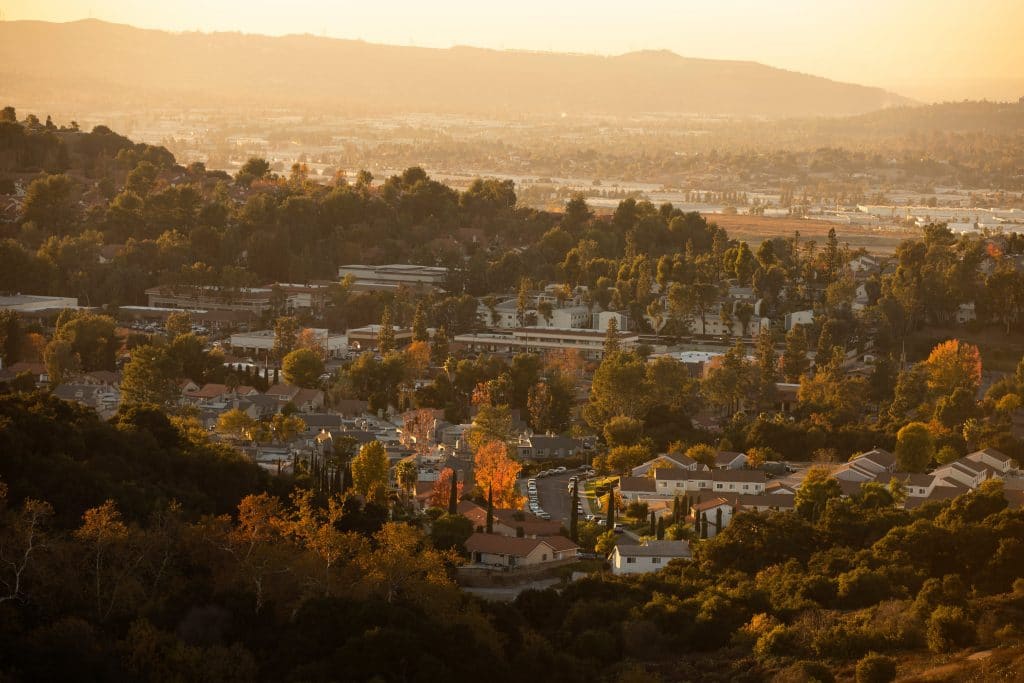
x: 652, y: 556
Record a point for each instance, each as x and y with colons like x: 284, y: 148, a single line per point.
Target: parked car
x: 602, y: 521
x: 619, y: 528
x: 560, y: 469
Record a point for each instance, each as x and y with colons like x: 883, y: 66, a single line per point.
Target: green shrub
x: 949, y: 628
x: 876, y: 668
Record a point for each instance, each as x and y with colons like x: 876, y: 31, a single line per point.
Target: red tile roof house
x: 510, y: 553
x: 509, y: 522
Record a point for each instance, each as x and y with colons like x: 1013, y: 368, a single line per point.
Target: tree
x: 794, y: 358
x: 622, y: 459
x: 61, y: 361
x: 93, y: 337
x: 286, y: 333
x: 605, y: 543
x: 490, y: 510
x: 302, y: 368
x: 574, y: 516
x: 496, y: 472
x: 611, y: 338
x: 659, y: 532
x: 149, y: 377
x: 953, y: 365
x: 386, y: 334
x: 490, y: 424
x: 234, y: 423
x: 453, y: 493
x: 767, y: 359
x: 817, y: 489
x: 623, y: 431
x: 419, y: 324
x: 876, y: 668
x: 610, y: 511
x: 703, y: 454
x: 370, y: 471
x: 915, y: 447
x: 406, y: 475
x: 11, y: 337
x: 441, y: 496
x: 51, y: 203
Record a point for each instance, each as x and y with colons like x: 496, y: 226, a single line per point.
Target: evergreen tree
x: 659, y: 533
x: 419, y: 325
x: 574, y: 514
x: 718, y: 521
x: 676, y: 507
x: 704, y: 524
x: 611, y: 338
x: 453, y: 495
x: 439, y: 347
x: 386, y: 336
x: 794, y: 358
x: 490, y: 510
x: 611, y: 510
x: 654, y: 524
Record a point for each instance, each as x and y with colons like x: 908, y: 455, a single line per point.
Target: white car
x: 559, y: 470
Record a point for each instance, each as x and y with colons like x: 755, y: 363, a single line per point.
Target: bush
x: 778, y: 642
x: 949, y: 628
x: 876, y: 668
x: 805, y: 672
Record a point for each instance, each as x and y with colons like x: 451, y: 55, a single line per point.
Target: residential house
x: 511, y: 553
x: 305, y: 400
x: 104, y: 399
x: 866, y: 466
x: 717, y: 511
x: 676, y: 460
x: 728, y: 460
x: 651, y: 556
x: 542, y: 447
x: 513, y: 523
x: 638, y: 489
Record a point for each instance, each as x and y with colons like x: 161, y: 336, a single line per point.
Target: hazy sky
x: 930, y: 49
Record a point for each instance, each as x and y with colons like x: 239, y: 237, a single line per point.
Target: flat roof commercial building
x: 540, y: 339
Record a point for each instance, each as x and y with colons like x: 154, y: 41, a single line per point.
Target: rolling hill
x: 90, y: 63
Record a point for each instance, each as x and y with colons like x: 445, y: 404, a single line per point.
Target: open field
x: 755, y: 229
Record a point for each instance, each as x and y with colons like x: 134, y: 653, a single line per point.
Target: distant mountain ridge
x: 92, y: 61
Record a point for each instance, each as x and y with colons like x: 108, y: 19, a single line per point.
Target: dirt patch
x: 756, y: 229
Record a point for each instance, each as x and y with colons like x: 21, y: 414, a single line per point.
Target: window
x: 718, y: 486
x: 655, y: 560
x: 630, y: 560
x: 544, y: 557
x: 746, y: 486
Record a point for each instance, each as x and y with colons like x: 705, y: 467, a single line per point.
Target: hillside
x: 81, y: 63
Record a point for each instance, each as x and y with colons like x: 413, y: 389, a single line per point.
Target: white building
x: 31, y: 303
x: 389, y: 277
x: 262, y: 341
x: 538, y: 339
x: 799, y: 318
x: 649, y: 557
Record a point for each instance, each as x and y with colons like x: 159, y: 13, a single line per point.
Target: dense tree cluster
x: 136, y: 550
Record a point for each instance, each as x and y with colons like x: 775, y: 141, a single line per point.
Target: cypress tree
x: 490, y: 509
x: 704, y: 524
x: 611, y: 509
x: 453, y: 495
x: 574, y: 515
x: 659, y: 533
x: 277, y: 375
x: 676, y: 504
x: 419, y: 324
x: 654, y: 525
x: 346, y: 482
x: 696, y: 523
x: 718, y: 521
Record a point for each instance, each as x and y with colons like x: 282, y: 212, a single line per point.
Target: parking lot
x: 553, y: 495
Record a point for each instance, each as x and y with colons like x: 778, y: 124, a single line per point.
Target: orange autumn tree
x: 953, y: 365
x: 494, y: 469
x: 443, y: 489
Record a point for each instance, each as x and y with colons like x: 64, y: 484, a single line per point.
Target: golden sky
x: 929, y: 49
